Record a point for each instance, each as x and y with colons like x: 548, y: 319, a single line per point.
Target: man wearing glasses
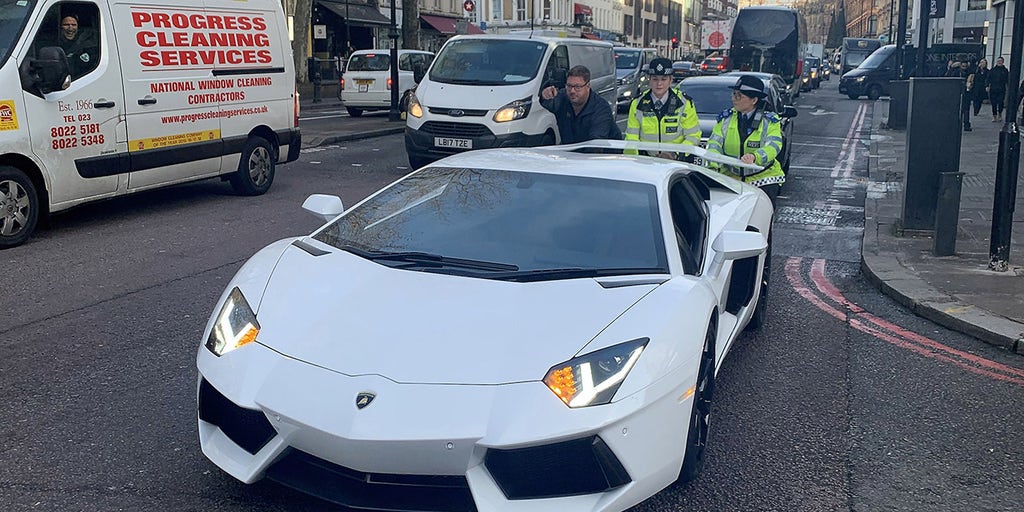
x: 751, y: 134
x: 581, y: 116
x: 662, y: 114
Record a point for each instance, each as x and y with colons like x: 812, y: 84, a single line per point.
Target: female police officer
x: 751, y: 134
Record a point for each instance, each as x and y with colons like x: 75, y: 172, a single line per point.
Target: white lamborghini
x: 502, y: 330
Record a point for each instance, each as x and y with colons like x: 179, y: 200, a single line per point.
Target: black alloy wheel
x: 700, y: 414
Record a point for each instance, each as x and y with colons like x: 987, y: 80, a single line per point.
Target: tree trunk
x: 410, y: 24
x: 303, y: 11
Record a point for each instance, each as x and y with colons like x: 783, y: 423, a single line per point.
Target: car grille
x: 457, y: 112
x: 580, y: 466
x: 447, y: 129
x: 245, y: 427
x: 373, y: 491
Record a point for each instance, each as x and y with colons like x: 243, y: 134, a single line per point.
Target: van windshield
x: 875, y: 60
x: 369, y: 62
x: 488, y: 62
x: 626, y: 59
x: 13, y: 15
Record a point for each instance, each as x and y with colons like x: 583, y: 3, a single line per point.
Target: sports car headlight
x: 516, y: 110
x: 593, y: 379
x: 236, y: 325
x: 414, y: 109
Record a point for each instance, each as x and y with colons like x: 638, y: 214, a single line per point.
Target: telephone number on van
x: 72, y: 142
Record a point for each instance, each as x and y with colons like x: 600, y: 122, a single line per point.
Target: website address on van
x: 213, y: 114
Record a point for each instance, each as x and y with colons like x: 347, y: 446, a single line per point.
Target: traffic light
x: 675, y: 42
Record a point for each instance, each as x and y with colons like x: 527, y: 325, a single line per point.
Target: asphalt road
x: 843, y: 401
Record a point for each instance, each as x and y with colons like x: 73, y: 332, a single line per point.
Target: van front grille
x: 447, y: 129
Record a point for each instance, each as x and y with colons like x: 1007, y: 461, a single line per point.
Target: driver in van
x: 581, y: 115
x: 81, y: 45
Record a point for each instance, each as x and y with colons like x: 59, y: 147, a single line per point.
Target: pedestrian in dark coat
x: 979, y: 92
x: 998, y: 77
x: 963, y: 72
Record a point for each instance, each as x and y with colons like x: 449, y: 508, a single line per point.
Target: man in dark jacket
x: 998, y: 77
x: 581, y: 115
x: 962, y: 71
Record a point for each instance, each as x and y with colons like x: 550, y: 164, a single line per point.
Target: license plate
x: 698, y: 161
x: 364, y: 87
x: 448, y: 142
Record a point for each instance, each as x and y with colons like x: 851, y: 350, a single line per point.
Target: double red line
x: 829, y: 299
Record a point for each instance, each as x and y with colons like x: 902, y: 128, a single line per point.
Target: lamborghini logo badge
x: 363, y: 399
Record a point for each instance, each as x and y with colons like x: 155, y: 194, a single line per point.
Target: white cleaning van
x: 100, y: 98
x: 483, y: 91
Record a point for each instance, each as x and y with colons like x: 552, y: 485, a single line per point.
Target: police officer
x: 662, y: 113
x: 751, y: 134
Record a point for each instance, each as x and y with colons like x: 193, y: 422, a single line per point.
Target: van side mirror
x: 419, y: 70
x: 558, y: 78
x: 49, y: 71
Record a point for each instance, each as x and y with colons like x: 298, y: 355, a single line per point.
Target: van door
x: 77, y: 134
x: 171, y: 95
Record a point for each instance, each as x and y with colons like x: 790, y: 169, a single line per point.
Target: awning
x: 447, y: 25
x: 588, y: 35
x: 582, y: 9
x: 357, y: 14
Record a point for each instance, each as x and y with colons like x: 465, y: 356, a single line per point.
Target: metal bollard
x: 947, y: 212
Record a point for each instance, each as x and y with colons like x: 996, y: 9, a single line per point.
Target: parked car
x: 390, y: 359
x: 711, y: 96
x: 714, y: 65
x: 683, y: 69
x: 785, y: 95
x: 366, y: 82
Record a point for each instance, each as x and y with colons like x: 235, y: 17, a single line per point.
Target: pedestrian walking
x: 581, y: 116
x: 980, y: 89
x: 998, y: 77
x: 663, y: 113
x: 751, y: 134
x: 963, y: 72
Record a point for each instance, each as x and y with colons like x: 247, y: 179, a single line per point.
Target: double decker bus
x: 770, y: 39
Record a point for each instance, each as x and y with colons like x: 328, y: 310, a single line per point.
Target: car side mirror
x: 736, y: 245
x: 49, y: 71
x: 323, y: 206
x: 789, y: 111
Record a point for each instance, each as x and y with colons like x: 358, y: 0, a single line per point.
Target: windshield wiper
x: 416, y: 258
x: 547, y: 274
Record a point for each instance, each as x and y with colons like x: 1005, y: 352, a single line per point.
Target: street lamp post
x: 394, y: 114
x: 1007, y: 166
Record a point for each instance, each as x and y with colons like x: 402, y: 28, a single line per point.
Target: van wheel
x: 853, y: 96
x: 874, y: 92
x: 418, y: 161
x: 548, y: 140
x: 354, y: 112
x: 255, y: 171
x: 19, y: 207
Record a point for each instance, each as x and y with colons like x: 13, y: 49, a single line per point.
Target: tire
x: 19, y: 207
x: 853, y: 96
x: 548, y: 140
x: 256, y: 166
x: 418, y: 161
x: 761, y: 309
x: 700, y: 415
x: 874, y: 92
x: 785, y: 163
x: 354, y: 112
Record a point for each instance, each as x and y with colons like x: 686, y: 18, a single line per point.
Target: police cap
x: 660, y: 67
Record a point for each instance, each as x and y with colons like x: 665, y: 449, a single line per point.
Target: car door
x: 172, y: 97
x: 78, y: 133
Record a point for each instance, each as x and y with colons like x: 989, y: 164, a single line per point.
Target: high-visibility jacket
x: 675, y: 123
x: 764, y: 141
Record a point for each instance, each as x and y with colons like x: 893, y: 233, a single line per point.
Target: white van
x: 366, y: 82
x: 143, y: 94
x: 483, y: 91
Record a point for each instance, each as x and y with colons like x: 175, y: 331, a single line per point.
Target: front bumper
x: 420, y: 143
x: 847, y: 86
x: 511, y: 447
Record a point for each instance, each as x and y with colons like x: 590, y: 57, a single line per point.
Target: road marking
x: 301, y: 119
x: 844, y: 167
x: 852, y: 314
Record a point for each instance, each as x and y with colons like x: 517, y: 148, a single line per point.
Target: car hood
x: 357, y: 317
x: 854, y: 73
x: 619, y: 73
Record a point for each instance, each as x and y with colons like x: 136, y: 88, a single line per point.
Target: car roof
x: 639, y: 169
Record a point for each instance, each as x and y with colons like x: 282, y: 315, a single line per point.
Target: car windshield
x: 488, y: 62
x: 369, y: 62
x: 13, y: 15
x: 531, y: 223
x: 626, y: 59
x: 708, y: 98
x: 877, y: 58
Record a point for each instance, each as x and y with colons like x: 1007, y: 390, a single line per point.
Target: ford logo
x: 456, y: 112
x: 363, y: 399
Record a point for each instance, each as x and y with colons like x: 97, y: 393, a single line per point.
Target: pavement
x: 958, y: 291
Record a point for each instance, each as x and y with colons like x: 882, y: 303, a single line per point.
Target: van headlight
x: 414, y: 109
x: 235, y: 326
x: 593, y: 379
x: 860, y: 79
x: 516, y: 110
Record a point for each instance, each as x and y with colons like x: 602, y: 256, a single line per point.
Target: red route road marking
x: 865, y: 322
